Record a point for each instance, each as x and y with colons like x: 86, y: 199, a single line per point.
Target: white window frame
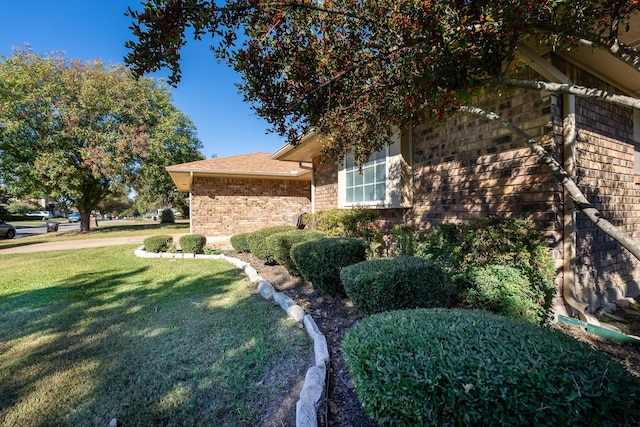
x: 365, y: 179
x: 394, y: 162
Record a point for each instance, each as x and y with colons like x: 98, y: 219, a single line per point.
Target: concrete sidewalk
x: 221, y: 242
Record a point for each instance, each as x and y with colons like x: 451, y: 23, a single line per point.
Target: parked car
x: 42, y: 214
x: 7, y: 230
x: 74, y: 217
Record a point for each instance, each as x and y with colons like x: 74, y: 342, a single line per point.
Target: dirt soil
x: 335, y: 316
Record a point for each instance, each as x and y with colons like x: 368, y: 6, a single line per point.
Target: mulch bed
x: 334, y: 317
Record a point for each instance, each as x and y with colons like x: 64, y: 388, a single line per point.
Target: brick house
x: 470, y: 167
x: 243, y: 193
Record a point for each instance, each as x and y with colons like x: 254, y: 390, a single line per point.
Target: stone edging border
x: 312, y: 395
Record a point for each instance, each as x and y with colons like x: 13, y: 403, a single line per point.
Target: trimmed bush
x: 280, y: 244
x: 159, y: 243
x: 406, y: 239
x: 505, y: 290
x: 320, y: 261
x: 193, y: 243
x: 437, y: 367
x: 258, y: 246
x: 504, y: 241
x: 239, y: 242
x: 354, y: 222
x: 395, y: 283
x: 167, y: 217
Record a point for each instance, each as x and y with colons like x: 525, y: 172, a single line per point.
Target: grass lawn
x: 95, y: 334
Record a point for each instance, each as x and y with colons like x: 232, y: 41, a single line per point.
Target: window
x: 383, y: 182
x: 366, y: 184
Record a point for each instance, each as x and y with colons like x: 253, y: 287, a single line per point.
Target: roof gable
x: 255, y: 165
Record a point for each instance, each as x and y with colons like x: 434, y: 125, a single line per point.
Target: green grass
x: 94, y: 334
x: 104, y: 230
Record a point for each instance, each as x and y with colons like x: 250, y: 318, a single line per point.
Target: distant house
x: 243, y: 193
x: 470, y: 168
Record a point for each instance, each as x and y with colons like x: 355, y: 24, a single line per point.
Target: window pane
x: 349, y: 179
x: 381, y: 172
x: 381, y: 190
x: 370, y: 193
x: 350, y: 195
x: 357, y: 178
x: 357, y: 196
x: 369, y: 175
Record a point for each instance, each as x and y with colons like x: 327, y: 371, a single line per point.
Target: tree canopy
x: 172, y: 143
x: 357, y: 69
x: 78, y: 131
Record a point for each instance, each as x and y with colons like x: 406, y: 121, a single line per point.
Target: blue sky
x: 90, y: 29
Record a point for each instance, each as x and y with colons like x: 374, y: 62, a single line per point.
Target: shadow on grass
x: 108, y: 345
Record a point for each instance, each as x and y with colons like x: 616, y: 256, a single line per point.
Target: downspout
x: 313, y: 185
x: 544, y: 68
x: 190, y: 202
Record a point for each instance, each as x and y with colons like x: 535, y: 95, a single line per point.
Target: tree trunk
x: 85, y: 220
x: 567, y: 182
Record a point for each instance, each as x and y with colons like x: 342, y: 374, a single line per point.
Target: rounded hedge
x: 239, y: 242
x: 257, y: 244
x: 159, y: 243
x: 280, y: 244
x: 320, y: 261
x: 438, y: 367
x: 385, y: 284
x: 193, y: 243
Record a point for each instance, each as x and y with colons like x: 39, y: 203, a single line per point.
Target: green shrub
x: 406, y: 239
x: 505, y: 290
x: 437, y: 367
x: 320, y: 261
x: 257, y: 244
x: 354, y: 222
x: 167, y: 217
x: 17, y: 208
x: 280, y: 244
x: 505, y: 241
x: 193, y: 243
x: 211, y: 251
x: 239, y: 242
x: 395, y: 283
x: 159, y: 243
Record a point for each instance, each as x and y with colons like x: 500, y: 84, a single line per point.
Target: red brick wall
x: 472, y: 167
x: 326, y: 183
x: 227, y: 206
x: 604, y: 173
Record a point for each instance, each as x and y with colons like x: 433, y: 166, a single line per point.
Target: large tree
x: 174, y: 141
x: 359, y: 69
x: 76, y: 131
